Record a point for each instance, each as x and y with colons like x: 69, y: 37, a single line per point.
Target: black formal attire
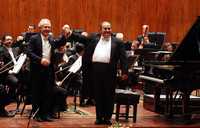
x: 127, y: 45
x: 86, y: 90
x: 42, y: 77
x: 11, y: 80
x: 75, y: 82
x: 104, y: 75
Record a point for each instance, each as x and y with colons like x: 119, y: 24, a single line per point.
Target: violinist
x: 144, y: 39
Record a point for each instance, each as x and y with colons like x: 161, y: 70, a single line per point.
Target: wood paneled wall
x: 171, y: 16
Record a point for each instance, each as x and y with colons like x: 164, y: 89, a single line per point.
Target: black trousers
x: 104, y: 89
x: 42, y: 90
x: 59, y: 99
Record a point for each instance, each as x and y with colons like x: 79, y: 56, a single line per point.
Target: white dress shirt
x: 46, y: 48
x: 102, y: 51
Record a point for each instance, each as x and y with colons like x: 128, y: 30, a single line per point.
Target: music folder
x: 19, y: 64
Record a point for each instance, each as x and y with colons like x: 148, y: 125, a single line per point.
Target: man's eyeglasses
x: 106, y: 28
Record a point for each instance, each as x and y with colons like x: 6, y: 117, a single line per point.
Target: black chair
x: 128, y: 98
x: 27, y: 99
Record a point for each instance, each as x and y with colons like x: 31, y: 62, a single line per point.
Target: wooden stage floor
x: 85, y: 117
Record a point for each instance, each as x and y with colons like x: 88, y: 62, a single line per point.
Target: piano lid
x: 189, y: 48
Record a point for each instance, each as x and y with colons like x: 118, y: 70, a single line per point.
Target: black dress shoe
x: 63, y: 108
x: 83, y: 105
x: 47, y: 118
x: 38, y: 119
x: 107, y: 122
x: 53, y: 116
x: 99, y: 121
x: 90, y: 102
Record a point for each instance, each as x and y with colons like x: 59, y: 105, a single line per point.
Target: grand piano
x: 179, y: 75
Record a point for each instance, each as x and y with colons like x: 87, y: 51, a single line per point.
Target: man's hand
x: 1, y: 63
x: 20, y: 38
x: 124, y: 77
x: 66, y: 30
x: 45, y: 62
x: 67, y: 33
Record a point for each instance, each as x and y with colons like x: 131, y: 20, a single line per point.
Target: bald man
x: 102, y: 56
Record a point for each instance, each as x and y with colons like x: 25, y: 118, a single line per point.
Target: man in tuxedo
x: 8, y: 54
x: 41, y: 52
x: 101, y: 57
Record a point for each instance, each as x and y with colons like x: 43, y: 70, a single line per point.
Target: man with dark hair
x: 8, y: 56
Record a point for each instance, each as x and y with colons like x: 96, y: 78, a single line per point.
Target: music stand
x: 132, y: 60
x: 157, y: 38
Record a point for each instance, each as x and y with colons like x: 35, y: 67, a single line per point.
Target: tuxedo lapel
x: 15, y: 52
x: 113, y: 48
x: 6, y: 53
x: 39, y: 43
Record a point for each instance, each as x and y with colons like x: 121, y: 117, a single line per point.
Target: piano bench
x: 127, y: 98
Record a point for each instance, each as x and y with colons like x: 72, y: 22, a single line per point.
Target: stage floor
x: 85, y: 117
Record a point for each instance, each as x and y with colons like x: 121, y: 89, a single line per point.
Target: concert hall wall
x: 174, y: 17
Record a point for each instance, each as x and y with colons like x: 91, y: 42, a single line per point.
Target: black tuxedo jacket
x: 35, y: 49
x: 39, y: 72
x: 118, y: 54
x: 5, y: 56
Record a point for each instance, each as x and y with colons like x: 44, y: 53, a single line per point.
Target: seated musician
x: 134, y: 45
x: 8, y: 56
x: 150, y: 40
x: 61, y: 56
x: 127, y: 44
x: 166, y: 47
x: 144, y: 39
x: 30, y: 31
x: 24, y: 37
x: 75, y: 79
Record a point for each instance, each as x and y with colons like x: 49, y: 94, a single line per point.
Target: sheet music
x: 18, y: 64
x: 76, y: 65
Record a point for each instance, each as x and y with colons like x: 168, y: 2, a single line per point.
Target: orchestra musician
x: 41, y: 52
x: 127, y: 44
x: 61, y: 56
x: 76, y: 80
x: 8, y: 54
x: 144, y: 39
x: 166, y: 47
x: 31, y: 30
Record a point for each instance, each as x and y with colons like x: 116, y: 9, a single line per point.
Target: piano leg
x: 157, y: 98
x: 169, y: 103
x: 185, y: 105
